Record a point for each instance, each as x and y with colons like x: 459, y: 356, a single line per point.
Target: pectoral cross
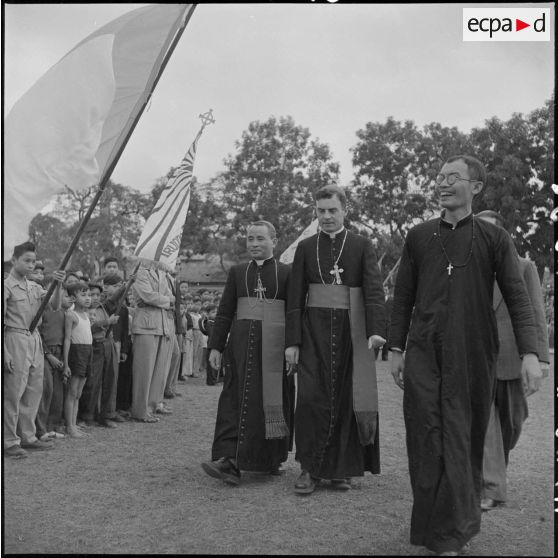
x: 449, y: 268
x: 260, y: 289
x: 337, y: 272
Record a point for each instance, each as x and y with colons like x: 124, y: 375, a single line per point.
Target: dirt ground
x: 140, y: 489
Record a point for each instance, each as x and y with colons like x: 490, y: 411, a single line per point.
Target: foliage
x: 278, y: 165
x: 272, y: 176
x: 113, y: 229
x: 519, y: 155
x: 395, y: 164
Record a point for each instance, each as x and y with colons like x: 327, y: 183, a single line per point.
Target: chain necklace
x: 260, y: 289
x: 336, y: 271
x: 451, y: 265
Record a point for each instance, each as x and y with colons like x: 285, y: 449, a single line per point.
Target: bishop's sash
x: 272, y: 315
x: 365, y: 389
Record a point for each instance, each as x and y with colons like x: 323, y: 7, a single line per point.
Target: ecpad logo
x: 506, y: 24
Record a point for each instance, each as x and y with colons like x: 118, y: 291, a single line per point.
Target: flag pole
x: 108, y: 171
x: 122, y: 296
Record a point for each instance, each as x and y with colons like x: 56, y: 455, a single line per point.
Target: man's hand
x: 531, y: 374
x: 53, y: 361
x: 9, y: 362
x: 123, y: 357
x: 113, y: 319
x: 375, y: 342
x: 59, y: 275
x: 545, y: 369
x: 291, y: 356
x: 67, y: 374
x: 215, y: 359
x: 397, y: 368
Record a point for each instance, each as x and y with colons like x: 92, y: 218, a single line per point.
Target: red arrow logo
x: 519, y: 25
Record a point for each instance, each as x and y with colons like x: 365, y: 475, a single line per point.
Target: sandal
x: 148, y: 419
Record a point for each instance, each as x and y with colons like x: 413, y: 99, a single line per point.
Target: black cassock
x: 326, y: 434
x: 451, y: 351
x: 240, y: 425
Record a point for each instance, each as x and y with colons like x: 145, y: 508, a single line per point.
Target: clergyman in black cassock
x: 331, y: 443
x: 442, y: 316
x: 250, y: 433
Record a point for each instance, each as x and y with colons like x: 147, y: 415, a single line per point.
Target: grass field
x: 140, y: 489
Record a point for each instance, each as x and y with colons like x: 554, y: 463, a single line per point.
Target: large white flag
x: 70, y: 127
x: 287, y: 256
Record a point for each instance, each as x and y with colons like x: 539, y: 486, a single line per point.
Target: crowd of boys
x: 75, y: 369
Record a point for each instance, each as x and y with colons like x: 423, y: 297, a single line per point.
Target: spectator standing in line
x: 78, y: 353
x: 49, y: 421
x: 23, y: 355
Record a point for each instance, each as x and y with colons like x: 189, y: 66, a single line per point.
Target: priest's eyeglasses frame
x: 452, y: 178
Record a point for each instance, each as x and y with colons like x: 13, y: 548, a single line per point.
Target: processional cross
x: 337, y: 272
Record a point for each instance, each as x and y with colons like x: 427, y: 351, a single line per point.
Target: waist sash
x: 365, y: 389
x: 272, y: 316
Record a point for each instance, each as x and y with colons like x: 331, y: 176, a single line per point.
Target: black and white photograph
x: 278, y: 278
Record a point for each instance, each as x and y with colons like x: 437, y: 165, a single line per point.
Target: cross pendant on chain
x: 260, y: 289
x: 337, y: 272
x: 449, y: 268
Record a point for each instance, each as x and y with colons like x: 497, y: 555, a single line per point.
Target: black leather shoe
x: 341, y: 484
x: 276, y: 471
x: 305, y: 484
x: 223, y: 469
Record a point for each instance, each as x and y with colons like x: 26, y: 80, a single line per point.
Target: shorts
x: 80, y: 358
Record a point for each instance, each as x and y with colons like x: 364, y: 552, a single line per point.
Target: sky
x: 332, y: 67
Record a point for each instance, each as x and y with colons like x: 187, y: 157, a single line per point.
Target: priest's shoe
x: 276, y: 470
x: 305, y: 484
x: 489, y: 504
x: 223, y: 469
x: 341, y: 484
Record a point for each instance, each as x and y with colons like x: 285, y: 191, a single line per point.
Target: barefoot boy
x: 78, y: 352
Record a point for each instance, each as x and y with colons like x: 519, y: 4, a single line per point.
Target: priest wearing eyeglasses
x: 442, y: 319
x: 335, y: 318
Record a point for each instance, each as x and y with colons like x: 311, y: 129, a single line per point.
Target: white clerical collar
x: 334, y: 234
x: 259, y: 263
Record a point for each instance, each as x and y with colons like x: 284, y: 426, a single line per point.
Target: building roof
x: 203, y: 270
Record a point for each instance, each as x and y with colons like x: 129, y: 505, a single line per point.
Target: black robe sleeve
x: 403, y: 297
x: 296, y: 300
x: 373, y: 292
x: 225, y: 314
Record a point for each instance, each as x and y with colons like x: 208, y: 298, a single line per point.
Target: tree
x: 519, y: 155
x: 51, y: 238
x: 113, y: 229
x: 393, y: 189
x: 273, y: 175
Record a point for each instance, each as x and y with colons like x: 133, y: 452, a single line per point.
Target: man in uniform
x: 151, y: 329
x: 442, y: 316
x: 335, y: 317
x: 253, y: 431
x: 23, y: 354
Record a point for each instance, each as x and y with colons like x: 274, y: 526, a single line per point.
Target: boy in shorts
x: 78, y: 352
